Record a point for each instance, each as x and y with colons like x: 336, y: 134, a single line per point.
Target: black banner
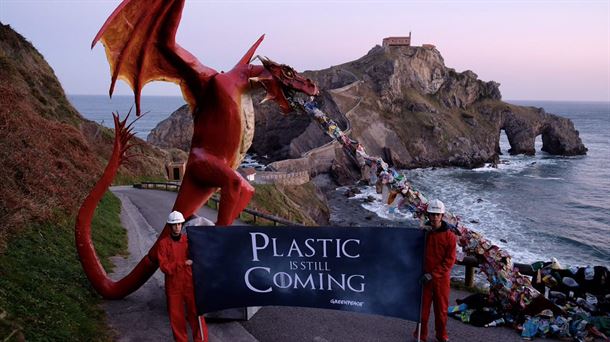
x: 369, y: 270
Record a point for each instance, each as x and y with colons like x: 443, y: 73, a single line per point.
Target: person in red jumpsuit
x: 438, y: 261
x: 174, y: 262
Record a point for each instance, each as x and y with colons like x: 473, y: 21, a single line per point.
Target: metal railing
x: 158, y: 185
x: 256, y: 215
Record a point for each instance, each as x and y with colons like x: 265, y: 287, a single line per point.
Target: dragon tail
x: 92, y: 266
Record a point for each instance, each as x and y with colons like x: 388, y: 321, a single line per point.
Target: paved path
x: 142, y: 316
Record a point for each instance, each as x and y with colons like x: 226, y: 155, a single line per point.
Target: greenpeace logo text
x: 346, y: 302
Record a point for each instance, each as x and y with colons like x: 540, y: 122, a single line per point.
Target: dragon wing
x: 140, y: 42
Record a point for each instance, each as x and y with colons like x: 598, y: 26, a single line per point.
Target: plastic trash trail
x: 511, y: 293
x: 508, y: 287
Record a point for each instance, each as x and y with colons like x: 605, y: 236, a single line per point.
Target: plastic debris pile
x: 583, y: 294
x: 580, y: 310
x: 510, y: 292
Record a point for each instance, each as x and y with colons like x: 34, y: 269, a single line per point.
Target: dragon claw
x: 267, y: 98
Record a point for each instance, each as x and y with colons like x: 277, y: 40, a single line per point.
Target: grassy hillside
x: 299, y: 203
x: 44, y: 294
x: 49, y: 155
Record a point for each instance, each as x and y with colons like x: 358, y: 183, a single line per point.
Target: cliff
x: 50, y: 156
x: 174, y: 132
x: 404, y: 104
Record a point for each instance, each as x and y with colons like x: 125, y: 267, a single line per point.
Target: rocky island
x: 403, y: 104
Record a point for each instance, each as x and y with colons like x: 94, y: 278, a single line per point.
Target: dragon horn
x: 248, y: 56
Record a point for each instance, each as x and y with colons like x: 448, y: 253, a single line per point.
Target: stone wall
x: 284, y: 178
x: 314, y: 162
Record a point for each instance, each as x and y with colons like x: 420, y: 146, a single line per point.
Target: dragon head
x: 283, y: 83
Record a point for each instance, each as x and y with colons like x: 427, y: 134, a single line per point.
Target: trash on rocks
x: 530, y: 328
x: 576, y: 308
x: 557, y: 302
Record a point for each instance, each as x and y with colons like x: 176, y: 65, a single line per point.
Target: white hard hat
x: 436, y: 207
x: 175, y: 217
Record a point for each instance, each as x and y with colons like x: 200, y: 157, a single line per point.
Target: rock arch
x: 520, y: 133
x: 559, y: 137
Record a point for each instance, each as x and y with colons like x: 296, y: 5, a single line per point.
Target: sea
x: 536, y: 207
x: 99, y: 108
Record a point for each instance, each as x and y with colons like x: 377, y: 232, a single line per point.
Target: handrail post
x: 469, y: 277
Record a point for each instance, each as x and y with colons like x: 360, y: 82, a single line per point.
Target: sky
x: 537, y: 50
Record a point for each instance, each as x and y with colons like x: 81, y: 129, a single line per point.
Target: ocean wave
x: 493, y: 204
x: 517, y: 164
x: 543, y: 178
x: 485, y: 217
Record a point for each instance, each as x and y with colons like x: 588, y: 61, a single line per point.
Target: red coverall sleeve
x: 444, y: 266
x: 167, y: 266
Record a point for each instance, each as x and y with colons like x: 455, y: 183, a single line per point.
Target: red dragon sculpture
x: 139, y: 39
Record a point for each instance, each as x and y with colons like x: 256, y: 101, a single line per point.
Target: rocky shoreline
x: 346, y: 211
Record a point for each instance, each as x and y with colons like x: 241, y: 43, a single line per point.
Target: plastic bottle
x: 495, y: 323
x: 460, y: 255
x: 457, y: 308
x: 590, y: 302
x: 569, y: 282
x: 589, y: 273
x: 555, y: 265
x: 591, y: 299
x: 537, y: 265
